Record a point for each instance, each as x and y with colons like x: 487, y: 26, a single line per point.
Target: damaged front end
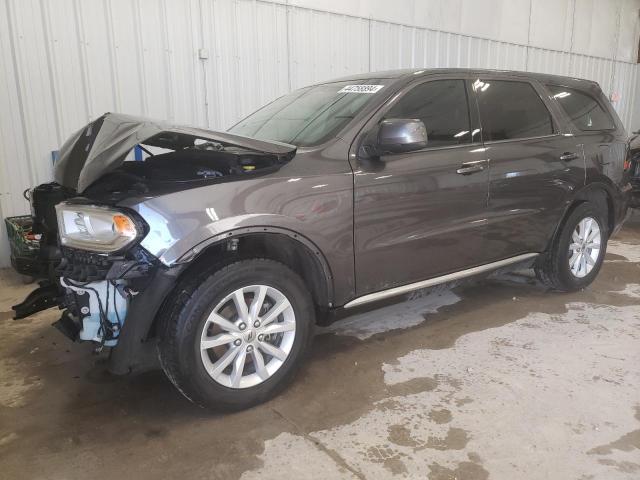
x: 94, y: 268
x: 98, y: 275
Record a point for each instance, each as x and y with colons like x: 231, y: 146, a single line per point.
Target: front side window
x: 443, y: 108
x: 511, y: 110
x: 311, y: 115
x: 583, y: 110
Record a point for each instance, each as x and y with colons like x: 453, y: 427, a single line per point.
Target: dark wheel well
x: 596, y: 195
x: 275, y: 246
x: 601, y: 198
x: 555, y: 267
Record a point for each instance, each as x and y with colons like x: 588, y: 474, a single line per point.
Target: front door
x: 422, y: 214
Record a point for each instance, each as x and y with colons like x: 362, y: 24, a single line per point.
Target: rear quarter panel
x: 605, y: 155
x: 604, y: 151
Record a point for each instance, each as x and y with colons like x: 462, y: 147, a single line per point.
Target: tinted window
x: 311, y: 115
x: 583, y: 110
x: 442, y: 106
x: 511, y: 110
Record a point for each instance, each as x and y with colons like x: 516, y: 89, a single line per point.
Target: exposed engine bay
x: 196, y: 164
x: 90, y: 263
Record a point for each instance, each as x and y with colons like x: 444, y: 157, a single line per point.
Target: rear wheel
x: 236, y: 337
x: 577, y: 253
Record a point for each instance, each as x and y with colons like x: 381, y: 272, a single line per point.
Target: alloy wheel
x: 584, y: 249
x: 248, y: 336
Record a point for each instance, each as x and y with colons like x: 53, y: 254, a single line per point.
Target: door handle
x: 568, y: 156
x: 471, y: 167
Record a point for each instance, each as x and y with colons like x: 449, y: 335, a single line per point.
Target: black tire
x: 552, y: 268
x: 182, y: 324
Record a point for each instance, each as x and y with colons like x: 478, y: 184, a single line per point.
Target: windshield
x: 311, y: 115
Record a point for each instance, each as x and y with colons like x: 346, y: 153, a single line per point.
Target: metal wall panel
x: 248, y: 66
x: 324, y: 46
x: 65, y: 62
x: 15, y: 169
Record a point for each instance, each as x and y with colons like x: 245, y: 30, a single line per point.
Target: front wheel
x: 235, y: 337
x: 577, y: 253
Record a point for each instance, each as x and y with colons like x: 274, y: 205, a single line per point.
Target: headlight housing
x: 96, y: 228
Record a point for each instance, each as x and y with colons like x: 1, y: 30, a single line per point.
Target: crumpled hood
x: 102, y: 146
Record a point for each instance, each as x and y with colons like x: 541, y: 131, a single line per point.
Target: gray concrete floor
x: 497, y: 380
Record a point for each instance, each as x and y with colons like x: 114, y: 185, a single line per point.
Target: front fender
x: 317, y: 211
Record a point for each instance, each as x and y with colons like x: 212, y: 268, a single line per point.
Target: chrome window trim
x: 523, y: 139
x: 431, y: 149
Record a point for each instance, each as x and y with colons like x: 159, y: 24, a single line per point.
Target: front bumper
x: 96, y: 311
x: 111, y: 301
x: 136, y: 347
x: 127, y: 325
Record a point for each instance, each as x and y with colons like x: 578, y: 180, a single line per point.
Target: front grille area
x: 83, y: 266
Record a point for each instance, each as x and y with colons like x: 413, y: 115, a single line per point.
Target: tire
x: 554, y: 268
x: 200, y: 372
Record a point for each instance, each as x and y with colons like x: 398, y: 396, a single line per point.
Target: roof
x: 415, y: 72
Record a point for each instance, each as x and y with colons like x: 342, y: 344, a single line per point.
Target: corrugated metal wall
x: 64, y: 63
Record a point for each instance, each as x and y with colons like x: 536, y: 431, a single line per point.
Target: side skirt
x: 392, y: 292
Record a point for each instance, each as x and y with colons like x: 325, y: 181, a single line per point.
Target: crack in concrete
x: 335, y: 456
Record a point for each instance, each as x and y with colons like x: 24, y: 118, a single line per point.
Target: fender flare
x: 580, y: 196
x: 194, y: 251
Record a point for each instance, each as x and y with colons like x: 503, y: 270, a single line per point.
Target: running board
x: 392, y: 292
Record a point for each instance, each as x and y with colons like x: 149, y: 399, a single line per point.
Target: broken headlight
x: 96, y: 228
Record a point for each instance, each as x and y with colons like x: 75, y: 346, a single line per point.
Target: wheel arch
x: 596, y: 193
x: 285, y: 246
x: 600, y: 195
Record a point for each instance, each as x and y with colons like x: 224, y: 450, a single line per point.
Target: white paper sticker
x: 360, y: 89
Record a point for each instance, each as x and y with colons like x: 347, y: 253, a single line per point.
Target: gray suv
x: 218, y: 252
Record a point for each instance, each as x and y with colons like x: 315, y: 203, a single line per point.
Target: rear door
x: 422, y: 214
x: 599, y: 129
x: 534, y: 166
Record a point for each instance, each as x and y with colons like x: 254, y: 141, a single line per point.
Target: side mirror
x: 397, y: 135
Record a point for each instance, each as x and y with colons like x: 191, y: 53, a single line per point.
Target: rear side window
x: 584, y: 111
x: 442, y: 106
x: 511, y: 110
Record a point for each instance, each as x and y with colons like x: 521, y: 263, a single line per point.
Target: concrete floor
x: 495, y: 380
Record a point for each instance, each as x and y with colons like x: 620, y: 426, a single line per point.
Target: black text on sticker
x: 360, y: 89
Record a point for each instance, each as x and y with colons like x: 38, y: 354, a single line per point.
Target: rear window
x: 583, y: 110
x: 511, y: 110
